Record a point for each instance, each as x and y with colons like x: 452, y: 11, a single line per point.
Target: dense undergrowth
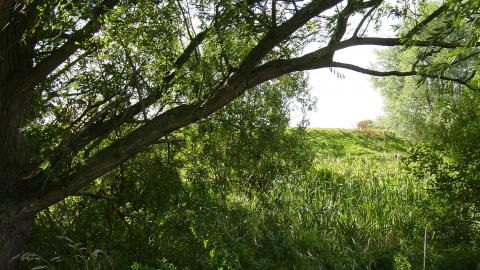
x: 354, y: 204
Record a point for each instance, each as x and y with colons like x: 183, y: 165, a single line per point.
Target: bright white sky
x: 341, y: 103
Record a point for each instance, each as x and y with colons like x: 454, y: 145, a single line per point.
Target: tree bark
x: 15, y: 110
x: 15, y: 104
x: 14, y: 233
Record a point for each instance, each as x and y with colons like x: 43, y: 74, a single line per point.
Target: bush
x: 366, y: 124
x: 453, y: 206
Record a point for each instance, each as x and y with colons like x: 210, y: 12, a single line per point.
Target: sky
x: 342, y: 102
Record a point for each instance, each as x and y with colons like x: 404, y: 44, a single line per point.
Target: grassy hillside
x: 354, y: 142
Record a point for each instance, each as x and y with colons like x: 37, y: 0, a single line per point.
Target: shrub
x: 452, y: 208
x: 365, y: 124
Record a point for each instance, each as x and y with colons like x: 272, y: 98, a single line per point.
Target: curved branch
x: 282, y: 32
x: 376, y: 73
x: 364, y: 18
x: 323, y: 57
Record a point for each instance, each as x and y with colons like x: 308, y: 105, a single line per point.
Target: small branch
x: 420, y: 26
x: 367, y: 15
x: 274, y: 13
x: 69, y: 65
x: 170, y: 140
x: 461, y: 59
x: 92, y: 195
x: 344, y: 15
x: 376, y: 73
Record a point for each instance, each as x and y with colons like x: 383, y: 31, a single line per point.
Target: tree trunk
x: 15, y: 110
x: 14, y: 232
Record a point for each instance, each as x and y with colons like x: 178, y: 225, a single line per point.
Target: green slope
x: 354, y: 142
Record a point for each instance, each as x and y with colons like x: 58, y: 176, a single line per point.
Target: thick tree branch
x: 322, y: 57
x: 248, y: 75
x: 95, y: 128
x: 282, y: 32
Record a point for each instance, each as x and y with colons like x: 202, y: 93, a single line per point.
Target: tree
x: 166, y: 202
x: 443, y: 117
x: 431, y: 109
x: 84, y: 86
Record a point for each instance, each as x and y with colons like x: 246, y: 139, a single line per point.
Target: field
x: 356, y: 207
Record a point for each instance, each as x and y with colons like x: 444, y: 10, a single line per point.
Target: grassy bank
x: 353, y: 142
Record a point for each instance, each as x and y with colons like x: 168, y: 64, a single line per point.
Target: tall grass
x: 349, y: 213
x: 75, y: 257
x: 354, y: 209
x: 359, y: 208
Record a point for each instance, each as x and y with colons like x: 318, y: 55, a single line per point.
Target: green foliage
x: 163, y: 210
x: 444, y: 117
x: 241, y: 190
x: 74, y: 256
x: 115, y: 214
x: 250, y: 142
x: 357, y: 207
x: 165, y: 205
x: 432, y: 109
x: 452, y: 208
